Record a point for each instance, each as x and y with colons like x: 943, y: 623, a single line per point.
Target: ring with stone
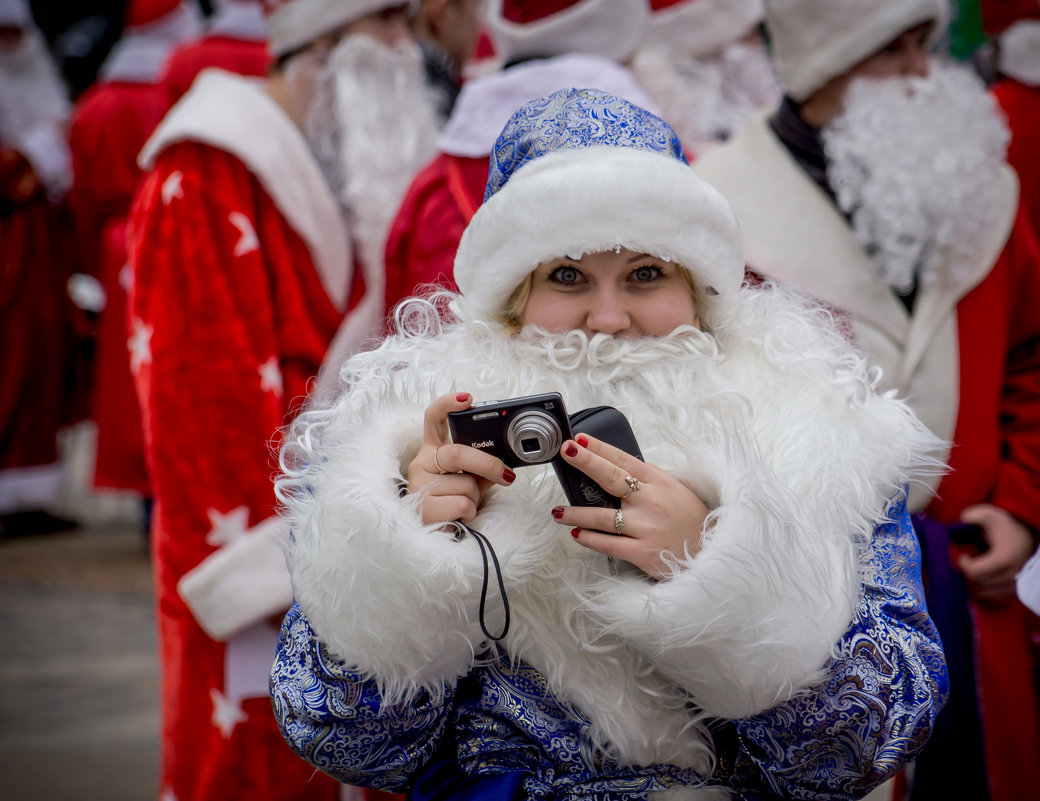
x: 619, y: 522
x: 633, y: 485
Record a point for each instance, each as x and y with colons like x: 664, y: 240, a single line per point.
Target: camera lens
x: 534, y: 436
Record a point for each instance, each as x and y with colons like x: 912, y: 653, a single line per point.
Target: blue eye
x: 646, y: 273
x: 566, y: 275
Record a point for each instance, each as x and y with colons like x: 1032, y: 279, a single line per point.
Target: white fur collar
x: 749, y: 620
x: 226, y: 111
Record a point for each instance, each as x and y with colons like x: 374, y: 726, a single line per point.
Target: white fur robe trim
x: 797, y: 465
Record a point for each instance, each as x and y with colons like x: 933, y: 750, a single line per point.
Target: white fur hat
x: 581, y: 171
x: 292, y: 24
x: 817, y: 40
x: 702, y: 27
x: 543, y: 28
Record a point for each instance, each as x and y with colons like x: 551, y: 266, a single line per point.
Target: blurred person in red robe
x: 545, y: 45
x: 706, y: 64
x: 37, y: 337
x: 880, y: 187
x: 1015, y: 28
x: 111, y: 122
x: 446, y: 32
x: 235, y: 40
x: 256, y: 247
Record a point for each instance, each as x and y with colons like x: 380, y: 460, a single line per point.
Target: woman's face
x: 625, y: 294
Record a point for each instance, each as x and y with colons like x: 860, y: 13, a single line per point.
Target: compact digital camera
x: 530, y: 430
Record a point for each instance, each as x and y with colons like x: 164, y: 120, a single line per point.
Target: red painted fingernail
x: 571, y: 449
x: 575, y: 532
x: 508, y: 476
x: 582, y: 440
x: 462, y: 397
x: 557, y: 512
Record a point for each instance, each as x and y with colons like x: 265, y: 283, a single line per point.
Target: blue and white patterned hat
x: 581, y: 171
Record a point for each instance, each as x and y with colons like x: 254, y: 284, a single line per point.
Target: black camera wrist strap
x: 486, y: 549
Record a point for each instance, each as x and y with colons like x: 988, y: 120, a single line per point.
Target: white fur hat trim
x: 589, y: 200
x: 609, y: 28
x: 817, y: 40
x: 294, y: 23
x: 1019, y: 53
x: 703, y: 27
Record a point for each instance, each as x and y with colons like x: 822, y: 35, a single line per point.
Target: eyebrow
x: 640, y: 257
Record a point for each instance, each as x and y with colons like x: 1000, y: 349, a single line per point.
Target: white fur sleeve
x: 393, y: 597
x: 751, y: 618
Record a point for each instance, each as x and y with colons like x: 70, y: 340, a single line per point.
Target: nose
x: 607, y: 315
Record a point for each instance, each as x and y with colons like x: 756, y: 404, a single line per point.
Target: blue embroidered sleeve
x: 334, y: 718
x: 877, y: 706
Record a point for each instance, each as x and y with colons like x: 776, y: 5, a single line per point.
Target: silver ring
x: 633, y: 485
x: 619, y: 522
x: 440, y: 469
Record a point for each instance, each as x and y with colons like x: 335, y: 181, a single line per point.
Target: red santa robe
x: 443, y: 197
x: 966, y: 361
x: 242, y: 275
x: 110, y: 124
x: 1021, y: 105
x: 37, y: 337
x: 235, y: 41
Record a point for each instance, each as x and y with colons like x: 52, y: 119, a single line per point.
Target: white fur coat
x: 772, y: 420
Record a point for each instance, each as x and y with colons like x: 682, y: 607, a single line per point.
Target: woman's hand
x: 452, y: 478
x: 660, y: 516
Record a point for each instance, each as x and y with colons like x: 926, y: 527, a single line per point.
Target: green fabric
x: 966, y: 34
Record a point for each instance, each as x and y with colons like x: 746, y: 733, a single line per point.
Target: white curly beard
x: 30, y: 89
x: 708, y: 99
x: 915, y: 162
x: 371, y: 127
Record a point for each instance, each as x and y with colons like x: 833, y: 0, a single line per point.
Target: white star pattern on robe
x: 271, y: 377
x: 227, y: 527
x: 247, y: 242
x: 227, y: 713
x: 171, y: 187
x: 140, y: 345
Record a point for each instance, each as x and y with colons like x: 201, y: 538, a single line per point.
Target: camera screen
x: 530, y: 445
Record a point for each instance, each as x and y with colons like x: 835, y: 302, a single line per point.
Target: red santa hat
x: 140, y: 13
x: 293, y: 24
x: 999, y: 15
x: 542, y: 28
x: 817, y: 40
x: 702, y: 27
x: 151, y: 29
x: 1016, y: 26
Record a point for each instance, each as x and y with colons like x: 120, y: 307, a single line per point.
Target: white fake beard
x: 915, y: 162
x: 372, y: 127
x: 30, y: 90
x: 708, y: 99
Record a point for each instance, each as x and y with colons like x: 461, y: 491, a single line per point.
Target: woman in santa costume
x: 749, y: 622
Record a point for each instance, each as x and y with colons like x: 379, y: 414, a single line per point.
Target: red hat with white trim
x: 293, y: 24
x: 141, y: 13
x: 702, y: 27
x: 544, y: 28
x: 999, y: 15
x: 1016, y: 26
x: 817, y: 40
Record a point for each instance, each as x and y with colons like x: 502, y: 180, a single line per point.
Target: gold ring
x: 440, y: 469
x: 633, y: 485
x: 619, y: 522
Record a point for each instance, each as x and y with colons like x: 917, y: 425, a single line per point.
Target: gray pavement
x: 78, y: 668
